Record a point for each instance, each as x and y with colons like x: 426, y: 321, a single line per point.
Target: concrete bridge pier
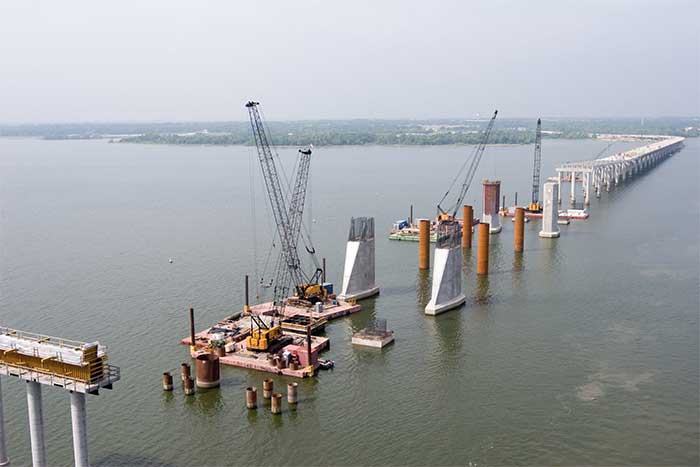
x: 358, y: 276
x: 558, y: 187
x: 4, y: 459
x: 36, y: 424
x: 78, y: 417
x: 447, y: 271
x: 572, y: 197
x: 550, y: 212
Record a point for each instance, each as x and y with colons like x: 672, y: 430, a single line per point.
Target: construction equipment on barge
x: 404, y: 230
x: 288, y: 219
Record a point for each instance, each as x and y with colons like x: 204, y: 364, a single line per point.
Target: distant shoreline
x: 439, y: 132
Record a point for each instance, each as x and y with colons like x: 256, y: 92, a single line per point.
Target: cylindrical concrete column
x: 519, y: 229
x: 251, y: 397
x: 268, y: 385
x: 468, y: 219
x: 36, y: 424
x: 4, y: 459
x: 424, y: 244
x: 292, y: 393
x: 276, y: 404
x: 559, y: 186
x: 167, y: 381
x: 78, y: 416
x: 482, y: 252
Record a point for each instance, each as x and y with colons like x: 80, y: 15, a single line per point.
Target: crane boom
x: 277, y: 202
x: 471, y: 171
x: 295, y: 213
x: 535, y: 201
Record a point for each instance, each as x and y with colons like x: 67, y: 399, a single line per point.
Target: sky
x: 171, y: 60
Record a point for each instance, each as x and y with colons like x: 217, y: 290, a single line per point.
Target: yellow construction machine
x: 263, y: 338
x: 312, y: 293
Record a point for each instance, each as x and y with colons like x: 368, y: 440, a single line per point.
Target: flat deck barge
x: 234, y: 329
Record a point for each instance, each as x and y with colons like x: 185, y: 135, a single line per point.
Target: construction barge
x: 404, y: 230
x: 299, y: 340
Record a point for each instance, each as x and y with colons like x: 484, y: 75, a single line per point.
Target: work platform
x: 73, y: 365
x: 411, y: 233
x: 563, y: 213
x: 234, y: 330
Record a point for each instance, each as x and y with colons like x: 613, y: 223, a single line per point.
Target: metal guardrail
x: 111, y: 375
x: 34, y: 338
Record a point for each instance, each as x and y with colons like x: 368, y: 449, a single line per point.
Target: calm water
x: 585, y: 351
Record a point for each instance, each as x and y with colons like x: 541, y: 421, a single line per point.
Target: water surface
x: 584, y: 350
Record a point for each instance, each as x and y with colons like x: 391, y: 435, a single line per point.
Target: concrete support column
x: 4, y: 459
x: 78, y: 417
x: 358, y: 275
x: 573, y: 187
x: 559, y: 187
x: 550, y: 213
x: 586, y: 189
x: 36, y: 424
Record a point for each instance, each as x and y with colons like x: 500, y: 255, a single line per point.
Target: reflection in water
x: 467, y: 260
x: 168, y: 398
x: 253, y: 415
x: 447, y: 329
x: 423, y: 288
x: 482, y: 295
x: 205, y: 401
x: 518, y: 261
x: 518, y: 270
x: 278, y: 420
x: 359, y: 321
x: 551, y: 255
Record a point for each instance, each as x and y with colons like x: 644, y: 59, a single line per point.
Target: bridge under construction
x: 602, y: 173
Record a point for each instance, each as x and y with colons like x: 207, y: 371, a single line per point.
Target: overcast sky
x: 157, y: 60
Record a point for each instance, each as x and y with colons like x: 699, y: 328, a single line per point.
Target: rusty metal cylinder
x: 208, y: 370
x: 185, y: 371
x: 251, y: 397
x: 292, y: 393
x: 468, y: 218
x: 424, y: 244
x: 167, y: 381
x: 519, y: 229
x: 268, y: 385
x: 482, y: 253
x: 189, y: 386
x: 276, y: 404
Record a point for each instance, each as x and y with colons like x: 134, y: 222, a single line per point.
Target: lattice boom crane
x: 535, y: 201
x: 444, y: 213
